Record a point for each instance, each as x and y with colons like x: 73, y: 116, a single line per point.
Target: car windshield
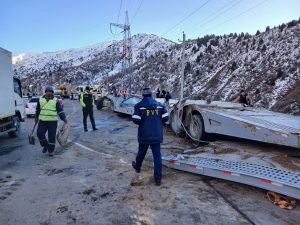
x: 34, y: 100
x: 132, y: 101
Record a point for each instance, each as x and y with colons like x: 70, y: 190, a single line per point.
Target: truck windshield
x: 17, y: 87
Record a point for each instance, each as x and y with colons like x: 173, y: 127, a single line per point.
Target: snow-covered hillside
x: 267, y: 65
x: 88, y: 64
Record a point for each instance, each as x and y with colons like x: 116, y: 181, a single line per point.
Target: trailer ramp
x: 273, y: 179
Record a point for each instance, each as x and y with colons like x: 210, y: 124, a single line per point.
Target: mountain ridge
x: 266, y: 64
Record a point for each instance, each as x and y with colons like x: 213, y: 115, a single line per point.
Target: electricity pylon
x: 127, y: 51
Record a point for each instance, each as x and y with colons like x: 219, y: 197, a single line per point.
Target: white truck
x: 12, y: 110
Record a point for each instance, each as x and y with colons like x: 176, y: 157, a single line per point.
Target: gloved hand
x: 65, y: 120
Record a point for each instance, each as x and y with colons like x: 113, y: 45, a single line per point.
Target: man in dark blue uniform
x: 87, y: 102
x: 47, y: 110
x: 150, y: 115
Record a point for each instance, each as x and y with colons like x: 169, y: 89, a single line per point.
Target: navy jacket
x: 150, y: 116
x: 59, y: 109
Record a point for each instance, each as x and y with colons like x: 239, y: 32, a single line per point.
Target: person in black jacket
x: 150, y: 115
x: 168, y: 97
x: 87, y: 102
x: 157, y: 93
x: 245, y: 98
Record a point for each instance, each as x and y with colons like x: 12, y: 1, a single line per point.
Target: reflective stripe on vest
x: 48, y: 109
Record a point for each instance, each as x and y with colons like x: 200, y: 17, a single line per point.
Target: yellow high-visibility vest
x: 48, y: 109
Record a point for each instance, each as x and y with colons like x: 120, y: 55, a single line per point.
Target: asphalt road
x: 91, y: 182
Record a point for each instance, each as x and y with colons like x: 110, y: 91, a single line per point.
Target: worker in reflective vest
x: 47, y: 111
x: 87, y: 102
x: 150, y: 115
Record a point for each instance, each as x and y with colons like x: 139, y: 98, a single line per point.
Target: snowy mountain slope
x: 267, y: 65
x: 88, y: 63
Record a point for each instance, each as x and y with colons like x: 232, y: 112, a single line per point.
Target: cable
x: 234, y: 17
x: 115, y: 33
x: 219, y: 14
x: 119, y: 11
x: 136, y: 12
x: 185, y: 18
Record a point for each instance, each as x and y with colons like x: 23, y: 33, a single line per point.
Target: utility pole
x: 182, y: 67
x: 127, y: 50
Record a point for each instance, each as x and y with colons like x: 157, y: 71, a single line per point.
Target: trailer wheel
x: 173, y: 123
x: 100, y: 103
x: 17, y: 125
x: 196, y: 128
x: 112, y: 107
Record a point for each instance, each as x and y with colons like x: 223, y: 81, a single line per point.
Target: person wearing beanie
x: 87, y: 102
x: 47, y: 111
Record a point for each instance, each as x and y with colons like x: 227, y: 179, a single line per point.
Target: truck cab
x: 12, y: 110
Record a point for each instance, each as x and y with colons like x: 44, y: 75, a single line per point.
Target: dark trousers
x: 42, y: 129
x: 156, y: 156
x: 88, y: 112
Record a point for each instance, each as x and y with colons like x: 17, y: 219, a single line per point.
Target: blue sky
x: 51, y: 25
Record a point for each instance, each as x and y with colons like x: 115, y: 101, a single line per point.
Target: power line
x: 219, y: 10
x: 185, y: 18
x: 222, y: 13
x: 119, y: 11
x: 136, y: 12
x: 115, y: 33
x: 234, y: 17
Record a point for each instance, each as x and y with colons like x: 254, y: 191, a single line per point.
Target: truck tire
x: 173, y: 123
x: 99, y: 103
x: 17, y: 125
x: 112, y: 106
x: 196, y: 128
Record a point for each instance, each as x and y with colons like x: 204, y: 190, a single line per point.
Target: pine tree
x: 209, y: 49
x: 267, y: 29
x: 198, y: 42
x: 194, y: 49
x: 233, y: 66
x: 187, y: 66
x: 292, y: 23
x: 247, y: 35
x: 239, y: 39
x: 282, y: 26
x: 257, y: 32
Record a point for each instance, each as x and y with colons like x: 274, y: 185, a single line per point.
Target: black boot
x: 157, y: 182
x: 134, y: 167
x: 45, y: 149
